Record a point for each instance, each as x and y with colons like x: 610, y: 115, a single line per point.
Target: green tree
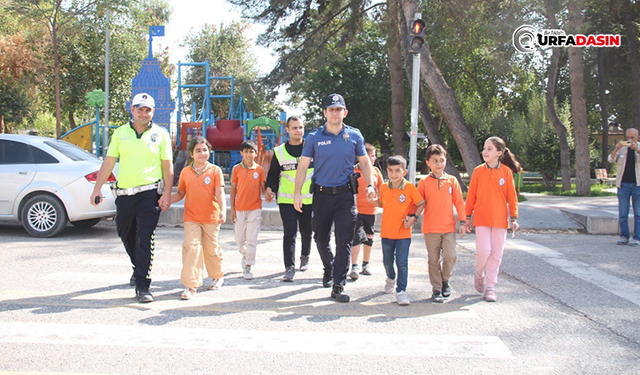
x: 228, y: 51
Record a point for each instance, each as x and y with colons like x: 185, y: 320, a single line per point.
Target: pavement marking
x: 350, y: 343
x: 304, y: 304
x: 612, y: 284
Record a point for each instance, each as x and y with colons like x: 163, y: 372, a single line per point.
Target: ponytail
x: 507, y: 158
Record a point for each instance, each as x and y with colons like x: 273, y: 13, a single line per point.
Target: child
x: 366, y: 217
x: 204, y: 212
x: 247, y: 185
x: 402, y: 204
x: 490, y: 191
x: 441, y: 193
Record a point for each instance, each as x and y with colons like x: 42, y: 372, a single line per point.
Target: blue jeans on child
x: 626, y: 192
x: 398, y: 251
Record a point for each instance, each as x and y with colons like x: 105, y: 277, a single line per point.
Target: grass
x: 597, y: 190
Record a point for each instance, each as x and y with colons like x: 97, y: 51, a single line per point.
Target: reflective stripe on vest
x: 288, y: 168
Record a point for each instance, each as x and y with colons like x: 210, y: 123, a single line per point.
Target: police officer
x: 145, y: 178
x: 334, y: 148
x: 281, y: 180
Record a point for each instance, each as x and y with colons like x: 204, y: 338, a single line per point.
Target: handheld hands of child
x: 371, y: 193
x: 268, y: 195
x: 462, y: 230
x: 408, y: 221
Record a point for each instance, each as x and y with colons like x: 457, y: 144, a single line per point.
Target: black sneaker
x: 144, y: 296
x: 339, y: 295
x: 437, y: 297
x: 446, y: 289
x: 327, y: 281
x: 132, y: 281
x: 289, y: 273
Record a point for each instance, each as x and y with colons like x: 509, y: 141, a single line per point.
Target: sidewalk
x: 593, y: 215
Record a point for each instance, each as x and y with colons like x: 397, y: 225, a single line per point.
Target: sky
x: 192, y: 14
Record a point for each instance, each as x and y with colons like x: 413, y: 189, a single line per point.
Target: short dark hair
x: 435, y: 150
x: 397, y: 160
x: 249, y: 144
x: 369, y: 147
x: 196, y: 141
x: 292, y: 118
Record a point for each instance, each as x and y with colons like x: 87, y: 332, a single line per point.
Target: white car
x: 44, y: 183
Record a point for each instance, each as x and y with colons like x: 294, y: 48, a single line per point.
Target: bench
x: 603, y: 177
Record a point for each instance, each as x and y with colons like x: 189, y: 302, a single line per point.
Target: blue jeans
x: 398, y: 249
x: 629, y: 191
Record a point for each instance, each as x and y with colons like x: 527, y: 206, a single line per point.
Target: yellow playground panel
x: 80, y: 137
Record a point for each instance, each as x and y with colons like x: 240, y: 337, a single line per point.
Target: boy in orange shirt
x: 247, y: 186
x: 441, y: 193
x: 204, y: 212
x: 402, y: 204
x: 366, y: 217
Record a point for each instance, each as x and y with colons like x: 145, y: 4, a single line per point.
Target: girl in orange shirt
x: 491, y: 190
x: 204, y: 211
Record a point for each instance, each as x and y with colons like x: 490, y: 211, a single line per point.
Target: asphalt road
x: 567, y: 304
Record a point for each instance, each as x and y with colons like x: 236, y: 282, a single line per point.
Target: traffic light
x: 416, y: 36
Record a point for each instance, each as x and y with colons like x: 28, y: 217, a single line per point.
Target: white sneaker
x: 389, y: 285
x: 247, y: 273
x: 403, y: 298
x: 216, y: 283
x: 634, y: 242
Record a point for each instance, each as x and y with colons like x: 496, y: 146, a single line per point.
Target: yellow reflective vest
x: 288, y: 168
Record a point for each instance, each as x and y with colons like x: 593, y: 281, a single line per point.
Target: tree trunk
x: 56, y: 74
x: 632, y: 42
x: 397, y: 82
x: 445, y: 99
x: 604, y: 112
x: 72, y: 121
x: 1, y: 124
x: 579, y: 105
x: 561, y: 129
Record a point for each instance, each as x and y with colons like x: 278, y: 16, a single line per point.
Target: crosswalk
x: 88, y: 304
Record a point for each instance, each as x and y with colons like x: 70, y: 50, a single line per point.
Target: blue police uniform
x: 333, y: 201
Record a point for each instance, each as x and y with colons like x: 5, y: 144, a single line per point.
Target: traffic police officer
x: 145, y: 178
x: 334, y: 148
x: 281, y: 179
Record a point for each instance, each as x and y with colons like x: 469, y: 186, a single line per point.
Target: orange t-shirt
x: 490, y: 191
x: 364, y: 206
x: 440, y: 196
x: 248, y: 183
x: 396, y: 205
x: 200, y: 203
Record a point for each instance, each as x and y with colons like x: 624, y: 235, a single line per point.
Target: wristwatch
x: 414, y: 215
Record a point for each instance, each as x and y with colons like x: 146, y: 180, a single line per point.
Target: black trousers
x: 291, y: 220
x: 339, y: 209
x: 136, y: 220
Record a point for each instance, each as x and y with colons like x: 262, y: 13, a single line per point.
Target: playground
x: 225, y: 131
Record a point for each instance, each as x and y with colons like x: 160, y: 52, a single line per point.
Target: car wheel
x: 43, y: 216
x: 85, y: 223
